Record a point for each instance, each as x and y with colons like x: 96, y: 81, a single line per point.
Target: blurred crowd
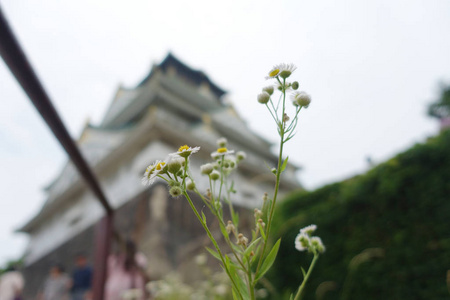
x: 126, y: 279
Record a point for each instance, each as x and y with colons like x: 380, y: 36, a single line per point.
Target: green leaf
x: 251, y: 247
x: 240, y: 284
x: 268, y: 262
x: 256, y: 254
x: 235, y: 217
x: 283, y: 166
x: 214, y: 253
x: 261, y: 230
x: 236, y: 295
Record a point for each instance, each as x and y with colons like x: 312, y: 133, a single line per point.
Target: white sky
x: 371, y: 67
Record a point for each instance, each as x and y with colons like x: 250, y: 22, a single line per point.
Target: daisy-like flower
x: 309, y: 230
x: 185, y: 151
x: 282, y: 70
x: 152, y: 171
x: 302, y: 242
x: 221, y: 152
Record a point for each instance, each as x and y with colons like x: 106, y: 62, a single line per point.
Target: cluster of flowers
x: 300, y: 99
x: 175, y: 170
x: 305, y: 240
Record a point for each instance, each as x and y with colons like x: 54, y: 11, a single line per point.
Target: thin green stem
x: 277, y: 185
x: 271, y: 113
x: 302, y: 286
x: 250, y: 281
x: 222, y: 223
x: 221, y: 177
x: 185, y: 172
x: 213, y: 240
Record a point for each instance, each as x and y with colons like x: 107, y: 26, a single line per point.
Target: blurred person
x: 57, y: 285
x: 81, y: 279
x: 126, y: 277
x: 11, y: 284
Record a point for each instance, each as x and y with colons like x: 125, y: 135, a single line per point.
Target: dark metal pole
x: 17, y: 62
x: 102, y: 247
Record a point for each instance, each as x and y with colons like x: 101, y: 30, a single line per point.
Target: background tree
x: 441, y: 108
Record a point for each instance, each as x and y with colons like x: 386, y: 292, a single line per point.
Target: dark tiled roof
x: 196, y: 76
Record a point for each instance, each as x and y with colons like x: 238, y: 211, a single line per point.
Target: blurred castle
x: 174, y: 105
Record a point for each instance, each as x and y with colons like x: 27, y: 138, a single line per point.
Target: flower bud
x: 260, y: 221
x: 222, y: 142
x: 285, y: 74
x: 240, y: 156
x: 230, y: 227
x: 268, y: 89
x: 263, y: 98
x: 214, y: 175
x: 295, y: 85
x: 301, y: 99
x: 242, y: 240
x: 207, y: 169
x: 174, y: 166
x: 257, y: 213
x: 273, y: 170
x: 190, y: 185
x: 175, y: 191
x: 316, y: 242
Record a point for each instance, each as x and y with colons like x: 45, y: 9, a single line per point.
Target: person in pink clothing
x: 126, y: 277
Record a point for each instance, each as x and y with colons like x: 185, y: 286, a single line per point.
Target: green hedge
x: 401, y: 206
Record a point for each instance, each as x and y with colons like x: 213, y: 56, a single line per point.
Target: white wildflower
x: 185, y: 151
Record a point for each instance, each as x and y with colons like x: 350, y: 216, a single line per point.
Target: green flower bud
x: 207, y: 169
x: 214, y: 175
x: 174, y: 166
x: 240, y: 156
x: 175, y: 191
x: 190, y: 185
x: 268, y: 89
x: 285, y: 74
x: 263, y: 98
x: 222, y: 142
x: 301, y: 99
x: 295, y: 85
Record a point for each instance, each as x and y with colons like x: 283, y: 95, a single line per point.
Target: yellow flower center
x: 183, y: 148
x: 222, y: 150
x: 160, y: 165
x: 274, y: 73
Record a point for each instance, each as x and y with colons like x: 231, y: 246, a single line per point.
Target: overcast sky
x: 371, y: 67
